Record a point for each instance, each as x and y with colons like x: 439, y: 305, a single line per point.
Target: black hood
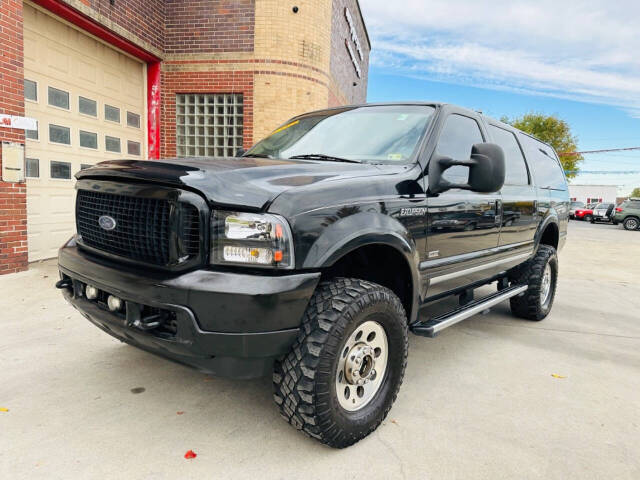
x: 244, y: 181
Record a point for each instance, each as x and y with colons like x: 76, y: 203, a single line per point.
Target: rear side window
x: 544, y: 164
x: 516, y: 168
x: 458, y: 136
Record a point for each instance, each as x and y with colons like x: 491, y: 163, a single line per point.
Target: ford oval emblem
x: 107, y: 223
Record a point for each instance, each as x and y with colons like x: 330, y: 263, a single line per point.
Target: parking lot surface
x: 493, y: 397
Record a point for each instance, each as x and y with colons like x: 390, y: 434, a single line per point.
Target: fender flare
x: 550, y: 218
x: 363, y: 229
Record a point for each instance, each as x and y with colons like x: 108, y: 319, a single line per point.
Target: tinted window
x: 32, y: 167
x: 458, y: 136
x: 544, y: 165
x: 30, y: 90
x: 516, y: 172
x: 58, y: 98
x: 88, y: 139
x: 133, y: 120
x: 61, y: 170
x: 58, y: 134
x: 87, y: 106
x: 112, y: 113
x: 112, y: 144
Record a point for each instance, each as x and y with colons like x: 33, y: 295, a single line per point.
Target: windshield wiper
x: 320, y: 156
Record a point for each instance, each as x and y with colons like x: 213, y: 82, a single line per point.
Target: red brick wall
x: 209, y: 26
x: 13, y: 196
x: 202, y: 82
x: 144, y: 18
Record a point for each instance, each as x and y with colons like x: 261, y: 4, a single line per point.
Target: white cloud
x: 580, y: 50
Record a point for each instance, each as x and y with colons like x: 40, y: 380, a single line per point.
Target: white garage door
x: 89, y: 100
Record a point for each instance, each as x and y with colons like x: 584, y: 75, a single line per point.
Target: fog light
x: 114, y: 303
x: 91, y: 292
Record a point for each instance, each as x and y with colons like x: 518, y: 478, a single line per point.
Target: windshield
x: 377, y: 134
x: 577, y: 204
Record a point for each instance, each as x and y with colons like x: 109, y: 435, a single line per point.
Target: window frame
x: 59, y: 143
x: 119, y: 121
x: 215, y: 144
x: 51, y: 177
x: 139, y: 126
x: 37, y: 130
x: 80, y: 132
x: 80, y: 97
x: 35, y: 82
x: 26, y: 162
x: 49, y: 104
x: 139, y: 154
x: 119, y: 152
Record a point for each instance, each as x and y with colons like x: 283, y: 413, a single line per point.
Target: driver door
x: 462, y: 226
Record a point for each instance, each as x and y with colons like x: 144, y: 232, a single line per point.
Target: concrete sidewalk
x: 479, y: 401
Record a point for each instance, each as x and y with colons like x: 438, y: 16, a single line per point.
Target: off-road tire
x: 530, y: 306
x: 304, y: 380
x: 631, y: 223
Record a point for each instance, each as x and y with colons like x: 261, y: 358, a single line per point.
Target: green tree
x: 636, y: 193
x: 554, y: 131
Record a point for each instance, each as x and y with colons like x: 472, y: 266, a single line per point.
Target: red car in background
x: 585, y: 213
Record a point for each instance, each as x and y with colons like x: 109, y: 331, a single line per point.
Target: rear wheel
x: 345, y: 369
x: 541, y: 275
x: 631, y: 223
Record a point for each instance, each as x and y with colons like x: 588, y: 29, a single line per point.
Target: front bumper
x: 225, y: 323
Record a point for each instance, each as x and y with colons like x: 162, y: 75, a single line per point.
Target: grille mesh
x: 142, y: 230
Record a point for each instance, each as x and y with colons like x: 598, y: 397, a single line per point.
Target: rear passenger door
x: 518, y: 216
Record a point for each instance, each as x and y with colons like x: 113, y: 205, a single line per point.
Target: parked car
x: 573, y: 207
x: 628, y: 213
x: 313, y: 255
x: 585, y: 213
x: 603, y: 212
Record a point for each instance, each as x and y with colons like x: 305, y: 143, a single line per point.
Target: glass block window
x: 112, y: 113
x: 32, y: 167
x: 133, y: 120
x: 30, y: 90
x: 88, y: 106
x: 133, y: 148
x: 61, y: 170
x: 112, y: 144
x: 58, y: 98
x: 33, y: 134
x: 58, y: 134
x: 209, y: 125
x: 88, y: 139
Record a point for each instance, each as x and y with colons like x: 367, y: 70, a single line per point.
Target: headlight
x: 259, y: 240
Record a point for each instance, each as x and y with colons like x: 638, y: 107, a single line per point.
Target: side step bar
x: 431, y: 327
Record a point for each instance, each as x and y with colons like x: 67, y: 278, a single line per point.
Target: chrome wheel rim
x: 632, y: 224
x: 545, y: 286
x: 361, y: 366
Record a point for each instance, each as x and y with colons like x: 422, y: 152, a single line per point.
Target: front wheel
x: 345, y: 369
x: 541, y: 275
x: 587, y: 218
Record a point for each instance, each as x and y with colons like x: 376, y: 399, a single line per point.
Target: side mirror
x: 486, y: 170
x: 240, y: 152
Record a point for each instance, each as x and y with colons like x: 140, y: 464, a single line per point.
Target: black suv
x: 312, y: 255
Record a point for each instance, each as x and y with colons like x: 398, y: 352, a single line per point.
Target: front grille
x: 143, y: 227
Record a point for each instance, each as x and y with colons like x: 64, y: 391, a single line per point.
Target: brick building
x: 153, y: 79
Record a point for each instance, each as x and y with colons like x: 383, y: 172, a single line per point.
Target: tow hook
x: 64, y: 283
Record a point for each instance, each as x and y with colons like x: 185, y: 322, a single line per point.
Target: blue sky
x: 574, y: 59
